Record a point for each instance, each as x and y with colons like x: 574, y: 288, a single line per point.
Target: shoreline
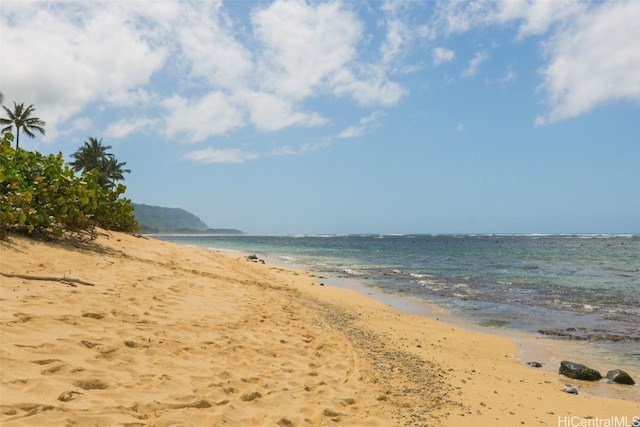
x: 607, y: 342
x: 531, y: 347
x: 175, y: 334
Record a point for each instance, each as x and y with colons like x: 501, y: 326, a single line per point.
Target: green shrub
x: 38, y: 193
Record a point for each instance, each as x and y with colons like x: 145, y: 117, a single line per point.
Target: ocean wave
x: 317, y: 236
x: 222, y: 250
x: 431, y: 284
x: 420, y: 275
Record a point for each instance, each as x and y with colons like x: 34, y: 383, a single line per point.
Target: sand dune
x: 135, y: 332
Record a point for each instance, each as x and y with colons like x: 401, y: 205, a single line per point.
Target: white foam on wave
x: 222, y: 250
x: 420, y: 275
x: 319, y: 236
x: 430, y: 284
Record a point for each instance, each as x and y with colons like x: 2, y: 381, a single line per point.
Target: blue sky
x: 346, y: 117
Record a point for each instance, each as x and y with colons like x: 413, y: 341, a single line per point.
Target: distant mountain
x: 157, y: 219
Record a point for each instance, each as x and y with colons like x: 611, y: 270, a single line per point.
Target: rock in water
x: 619, y: 376
x: 578, y: 371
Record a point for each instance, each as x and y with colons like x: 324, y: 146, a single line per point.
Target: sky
x: 320, y: 117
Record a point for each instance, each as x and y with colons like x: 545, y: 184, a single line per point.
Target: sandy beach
x: 131, y: 331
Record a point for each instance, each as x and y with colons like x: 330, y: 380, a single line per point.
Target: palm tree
x: 21, y: 118
x: 90, y: 155
x: 111, y: 171
x: 95, y: 156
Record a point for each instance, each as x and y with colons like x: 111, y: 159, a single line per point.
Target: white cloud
x: 208, y: 72
x: 536, y: 16
x: 459, y: 16
x: 442, y: 55
x: 194, y: 120
x: 593, y: 61
x: 210, y: 155
x: 372, y: 89
x: 125, y: 127
x: 508, y: 77
x: 399, y: 32
x: 65, y: 56
x: 365, y: 124
x: 474, y: 63
x: 303, y: 45
x: 395, y: 39
x: 208, y: 43
x: 405, y: 34
x: 307, y: 147
x: 592, y: 47
x: 82, y: 124
x: 270, y: 113
x: 311, y: 49
x: 540, y: 121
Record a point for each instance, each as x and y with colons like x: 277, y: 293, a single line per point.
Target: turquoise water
x: 582, y: 288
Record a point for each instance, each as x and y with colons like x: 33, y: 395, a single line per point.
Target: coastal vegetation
x: 22, y: 119
x: 40, y: 194
x: 43, y: 195
x: 95, y: 156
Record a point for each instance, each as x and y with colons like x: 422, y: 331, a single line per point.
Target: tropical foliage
x: 38, y: 193
x: 93, y: 156
x: 22, y: 119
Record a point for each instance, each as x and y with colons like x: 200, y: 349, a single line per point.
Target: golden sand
x: 129, y: 331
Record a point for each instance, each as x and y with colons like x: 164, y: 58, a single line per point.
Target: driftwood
x: 66, y: 280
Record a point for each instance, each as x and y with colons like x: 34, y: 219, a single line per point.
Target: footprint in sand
x: 97, y: 316
x: 250, y: 380
x: 45, y: 361
x: 248, y: 397
x: 52, y: 370
x: 67, y: 396
x: 88, y: 344
x: 91, y: 384
x: 285, y: 422
x: 23, y: 317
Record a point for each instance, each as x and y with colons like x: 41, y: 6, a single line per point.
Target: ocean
x: 581, y: 288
